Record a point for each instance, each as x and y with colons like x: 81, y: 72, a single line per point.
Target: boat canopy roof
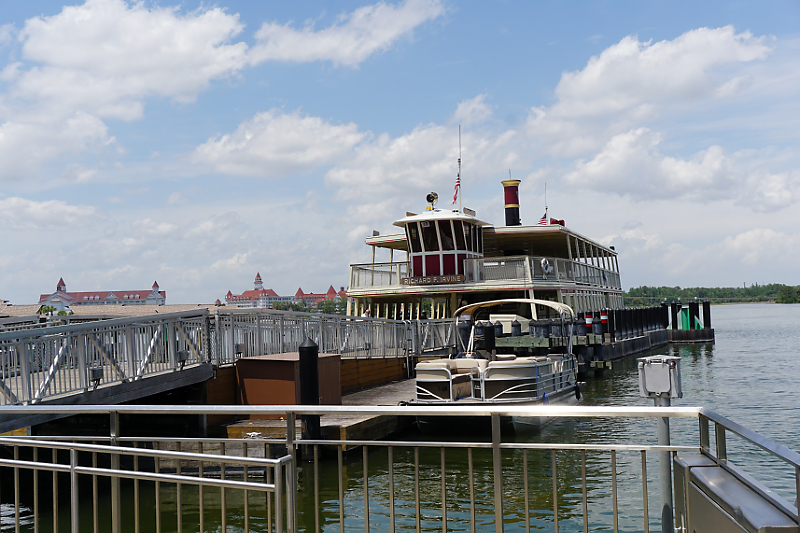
x: 440, y: 214
x: 470, y: 309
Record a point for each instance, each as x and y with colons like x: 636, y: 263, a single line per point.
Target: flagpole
x: 460, y: 210
x: 545, y: 200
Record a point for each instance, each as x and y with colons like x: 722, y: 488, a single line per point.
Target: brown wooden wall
x: 221, y: 390
x: 356, y: 374
x: 363, y: 373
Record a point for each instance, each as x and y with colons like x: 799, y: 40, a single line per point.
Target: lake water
x: 749, y: 376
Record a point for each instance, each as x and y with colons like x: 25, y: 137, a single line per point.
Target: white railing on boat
x: 526, y: 269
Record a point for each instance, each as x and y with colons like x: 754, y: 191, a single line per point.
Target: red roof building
x: 257, y: 297
x: 62, y: 299
x: 261, y: 297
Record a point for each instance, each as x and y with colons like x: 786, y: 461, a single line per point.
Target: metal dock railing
x: 573, y: 486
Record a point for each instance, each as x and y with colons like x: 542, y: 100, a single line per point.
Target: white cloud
x: 106, y: 55
x: 275, y: 144
x: 24, y: 147
x: 472, y: 111
x: 356, y: 36
x: 630, y: 164
x: 21, y: 214
x: 633, y: 82
x: 7, y: 32
x: 149, y: 226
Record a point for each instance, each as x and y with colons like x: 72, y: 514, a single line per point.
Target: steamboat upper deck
x: 452, y: 257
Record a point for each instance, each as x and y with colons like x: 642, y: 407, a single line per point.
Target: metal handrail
x: 494, y: 411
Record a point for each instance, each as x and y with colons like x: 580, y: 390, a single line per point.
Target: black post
x: 707, y: 314
x: 309, y: 386
x: 664, y: 315
x: 580, y: 327
x: 675, y: 325
x: 612, y: 324
x: 694, y: 314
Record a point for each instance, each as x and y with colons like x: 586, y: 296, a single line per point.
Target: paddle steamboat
x: 450, y: 258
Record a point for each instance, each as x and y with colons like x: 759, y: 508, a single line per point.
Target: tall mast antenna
x: 460, y: 194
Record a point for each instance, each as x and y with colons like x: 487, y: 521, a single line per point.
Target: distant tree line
x: 773, y: 292
x: 329, y: 307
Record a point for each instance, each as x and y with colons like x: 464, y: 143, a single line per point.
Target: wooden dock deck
x: 342, y: 427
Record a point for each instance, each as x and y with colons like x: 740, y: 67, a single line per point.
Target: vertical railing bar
x: 95, y: 496
x: 497, y: 478
x: 719, y: 437
x: 16, y: 491
x: 35, y: 493
x: 316, y: 488
x: 223, y: 497
x: 525, y: 490
x: 391, y: 490
x: 246, y: 473
x: 644, y: 493
x: 55, y: 493
x: 157, y: 464
x: 270, y: 476
x: 178, y: 491
x: 583, y: 491
x: 614, y: 489
x: 278, y: 499
x: 73, y: 499
x: 416, y: 487
x: 366, y: 488
x: 136, y: 506
x: 200, y: 496
x: 340, y: 450
x: 444, y: 495
x: 555, y: 489
x: 704, y: 434
x: 471, y: 491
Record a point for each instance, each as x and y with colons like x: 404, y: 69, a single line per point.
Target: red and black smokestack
x: 512, y: 202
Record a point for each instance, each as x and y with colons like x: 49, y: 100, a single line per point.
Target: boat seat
x: 518, y: 368
x: 466, y: 365
x: 436, y: 369
x: 505, y: 357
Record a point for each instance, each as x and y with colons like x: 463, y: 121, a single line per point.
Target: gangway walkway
x: 120, y: 360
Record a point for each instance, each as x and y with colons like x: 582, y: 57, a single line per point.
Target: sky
x: 198, y: 143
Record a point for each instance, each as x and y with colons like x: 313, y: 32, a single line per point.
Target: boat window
x: 412, y: 234
x: 446, y: 231
x: 474, y: 239
x: 468, y: 235
x: 459, y: 234
x: 429, y: 239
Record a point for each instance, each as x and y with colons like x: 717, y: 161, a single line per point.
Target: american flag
x: 542, y: 221
x: 458, y: 186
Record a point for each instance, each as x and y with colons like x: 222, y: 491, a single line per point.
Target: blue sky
x: 197, y: 144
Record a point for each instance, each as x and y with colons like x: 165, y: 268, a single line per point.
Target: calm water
x: 749, y: 376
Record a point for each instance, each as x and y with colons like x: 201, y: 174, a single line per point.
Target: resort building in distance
x: 62, y: 299
x: 266, y: 298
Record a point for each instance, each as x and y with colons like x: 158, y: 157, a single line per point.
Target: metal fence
x: 55, y: 361
x: 416, y: 484
x: 48, y: 362
x: 152, y: 471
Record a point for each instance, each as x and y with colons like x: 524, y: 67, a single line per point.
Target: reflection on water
x: 749, y: 376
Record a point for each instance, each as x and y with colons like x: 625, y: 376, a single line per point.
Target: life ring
x: 547, y: 268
